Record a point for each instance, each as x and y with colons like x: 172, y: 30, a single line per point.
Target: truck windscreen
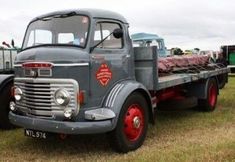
x: 58, y: 30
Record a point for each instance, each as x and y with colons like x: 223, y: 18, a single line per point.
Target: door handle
x: 97, y: 57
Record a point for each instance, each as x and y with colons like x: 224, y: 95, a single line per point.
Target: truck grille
x: 38, y: 96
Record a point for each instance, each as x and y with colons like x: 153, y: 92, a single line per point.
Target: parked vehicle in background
x: 228, y: 52
x: 213, y: 54
x: 7, y: 57
x: 188, y: 52
x: 149, y: 40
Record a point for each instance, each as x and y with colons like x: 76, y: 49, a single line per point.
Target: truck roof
x: 93, y: 13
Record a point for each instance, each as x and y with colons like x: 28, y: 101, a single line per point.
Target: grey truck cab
x: 74, y: 73
x: 78, y: 73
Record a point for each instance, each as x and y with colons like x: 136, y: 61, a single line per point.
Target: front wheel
x: 132, y: 124
x: 209, y: 103
x: 5, y: 98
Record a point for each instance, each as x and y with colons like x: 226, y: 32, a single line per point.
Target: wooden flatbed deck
x: 178, y: 79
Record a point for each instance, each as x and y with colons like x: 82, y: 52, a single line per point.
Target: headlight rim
x: 19, y: 93
x: 66, y: 93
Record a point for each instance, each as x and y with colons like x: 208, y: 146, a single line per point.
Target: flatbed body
x: 179, y: 79
x: 146, y: 61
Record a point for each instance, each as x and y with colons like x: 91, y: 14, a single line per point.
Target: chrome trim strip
x: 110, y: 94
x: 17, y: 65
x: 116, y: 93
x: 59, y: 65
x: 75, y: 64
x: 111, y: 99
x: 108, y: 98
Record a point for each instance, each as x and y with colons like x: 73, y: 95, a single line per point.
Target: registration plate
x: 35, y: 134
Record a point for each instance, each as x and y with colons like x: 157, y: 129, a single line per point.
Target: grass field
x: 185, y: 135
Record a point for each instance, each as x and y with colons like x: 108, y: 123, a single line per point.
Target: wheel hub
x: 134, y: 122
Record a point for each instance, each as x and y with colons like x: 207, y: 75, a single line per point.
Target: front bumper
x: 89, y: 127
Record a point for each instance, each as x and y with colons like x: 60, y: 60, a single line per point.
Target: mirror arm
x: 92, y: 48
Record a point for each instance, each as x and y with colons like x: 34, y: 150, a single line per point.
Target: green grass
x: 185, y: 135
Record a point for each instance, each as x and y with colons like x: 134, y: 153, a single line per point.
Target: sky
x: 187, y: 24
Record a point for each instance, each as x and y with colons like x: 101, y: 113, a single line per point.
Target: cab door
x: 109, y: 61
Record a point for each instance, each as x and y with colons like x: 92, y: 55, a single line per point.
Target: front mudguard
x: 4, y: 80
x: 118, y: 95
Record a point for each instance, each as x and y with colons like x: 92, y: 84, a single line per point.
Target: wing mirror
x: 118, y: 33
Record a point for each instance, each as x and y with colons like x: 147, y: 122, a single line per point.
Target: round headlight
x: 18, y: 94
x: 62, y: 97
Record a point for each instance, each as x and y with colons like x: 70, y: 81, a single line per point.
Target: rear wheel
x: 132, y: 125
x: 209, y: 103
x: 5, y: 98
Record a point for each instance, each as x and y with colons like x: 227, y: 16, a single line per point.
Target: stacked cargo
x: 175, y: 63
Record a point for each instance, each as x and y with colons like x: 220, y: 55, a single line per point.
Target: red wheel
x: 209, y: 103
x: 132, y: 124
x: 212, y: 95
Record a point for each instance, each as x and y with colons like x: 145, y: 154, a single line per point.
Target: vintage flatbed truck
x: 78, y: 73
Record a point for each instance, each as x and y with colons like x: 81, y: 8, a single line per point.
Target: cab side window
x: 102, y: 30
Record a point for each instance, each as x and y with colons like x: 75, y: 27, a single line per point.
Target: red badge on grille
x: 104, y: 74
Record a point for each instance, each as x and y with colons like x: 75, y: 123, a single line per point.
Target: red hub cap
x: 212, y: 95
x: 133, y: 122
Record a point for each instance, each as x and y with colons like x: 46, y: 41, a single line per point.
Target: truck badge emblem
x: 104, y: 74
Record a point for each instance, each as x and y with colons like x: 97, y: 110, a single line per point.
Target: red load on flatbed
x: 169, y: 64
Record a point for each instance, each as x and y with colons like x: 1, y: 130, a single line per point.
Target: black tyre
x: 132, y: 125
x: 5, y: 98
x: 209, y: 103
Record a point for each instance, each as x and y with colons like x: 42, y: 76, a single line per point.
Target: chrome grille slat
x: 38, y: 107
x: 40, y: 93
x: 36, y: 89
x: 38, y: 96
x: 22, y: 108
x: 39, y: 100
x: 37, y: 104
x: 69, y: 90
